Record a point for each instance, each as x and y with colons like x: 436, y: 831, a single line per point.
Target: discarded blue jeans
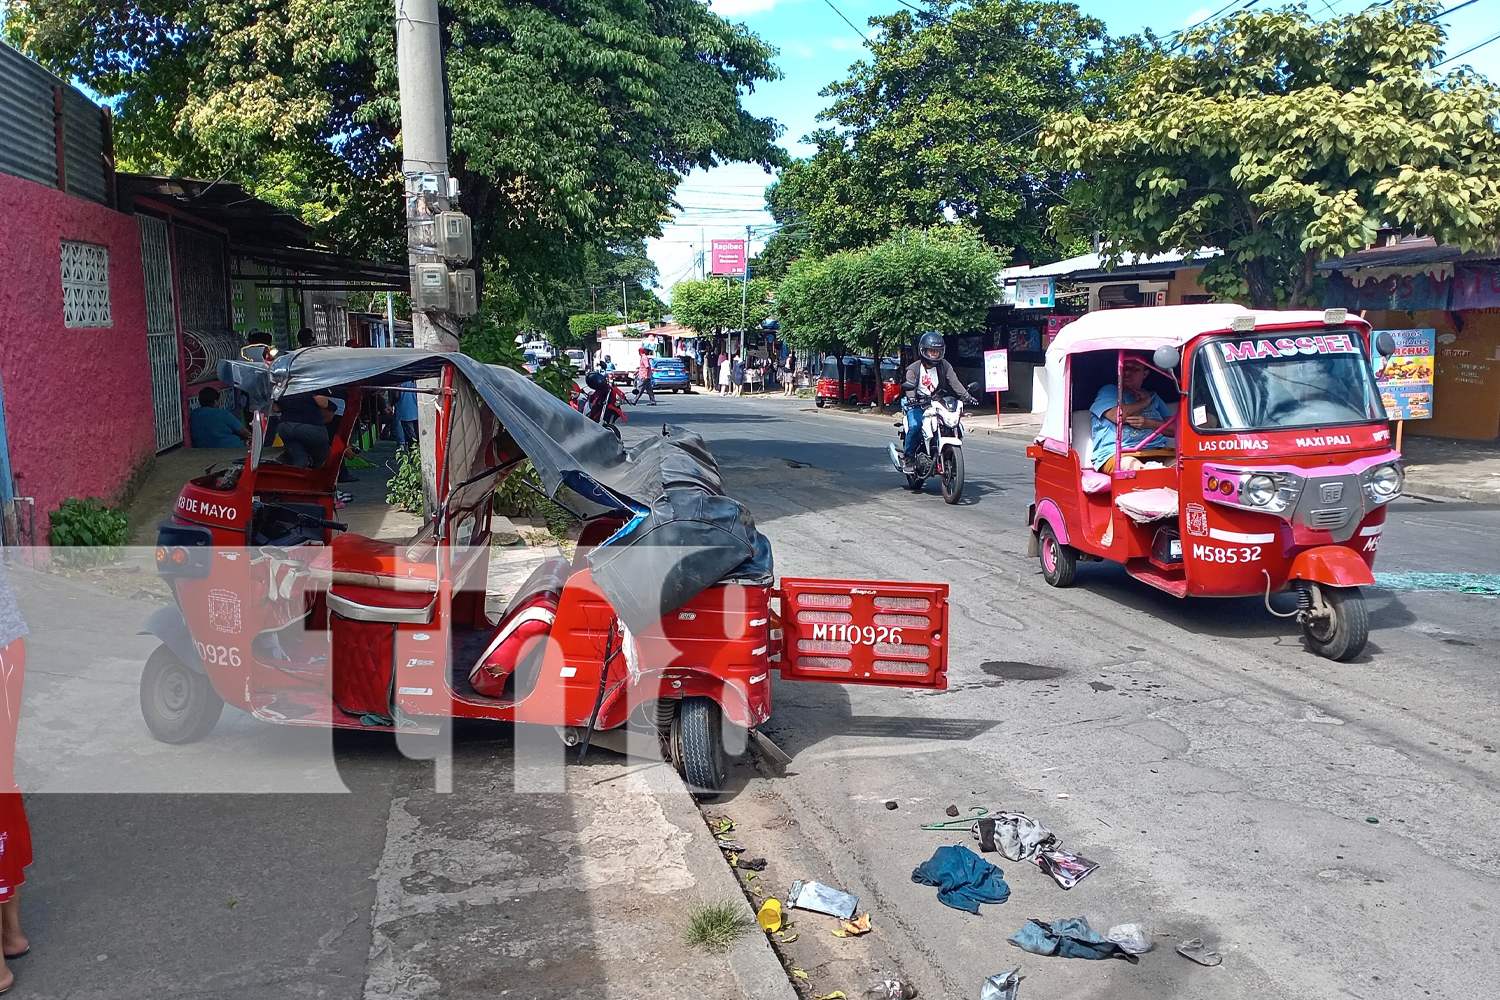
x: 963, y: 878
x: 1071, y: 937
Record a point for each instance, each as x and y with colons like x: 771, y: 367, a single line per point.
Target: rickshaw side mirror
x: 1385, y: 343
x: 1166, y: 358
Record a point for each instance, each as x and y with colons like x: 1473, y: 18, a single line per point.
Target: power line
x: 861, y: 34
x: 1472, y: 48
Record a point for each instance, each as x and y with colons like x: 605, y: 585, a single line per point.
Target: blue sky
x: 817, y: 47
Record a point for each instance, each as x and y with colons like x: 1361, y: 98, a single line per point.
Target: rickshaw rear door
x: 892, y: 634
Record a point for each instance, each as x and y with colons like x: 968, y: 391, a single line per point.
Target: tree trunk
x: 1262, y: 289
x: 1304, y: 280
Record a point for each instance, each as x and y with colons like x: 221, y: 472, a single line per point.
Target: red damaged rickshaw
x: 1277, y: 469
x: 667, y: 619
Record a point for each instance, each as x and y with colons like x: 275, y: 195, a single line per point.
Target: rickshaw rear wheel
x: 818, y: 401
x: 1342, y: 635
x: 698, y: 745
x: 178, y: 703
x: 1059, y: 561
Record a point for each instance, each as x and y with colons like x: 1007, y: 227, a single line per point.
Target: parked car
x: 859, y: 382
x: 578, y: 358
x: 670, y: 374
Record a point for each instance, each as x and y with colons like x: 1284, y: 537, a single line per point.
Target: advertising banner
x: 996, y: 371
x: 1034, y: 293
x: 727, y: 257
x: 1405, y: 378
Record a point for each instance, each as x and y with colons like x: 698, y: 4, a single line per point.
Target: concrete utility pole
x: 745, y: 296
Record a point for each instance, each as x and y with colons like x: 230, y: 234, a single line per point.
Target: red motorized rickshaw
x: 667, y: 618
x: 860, y: 383
x: 1267, y: 465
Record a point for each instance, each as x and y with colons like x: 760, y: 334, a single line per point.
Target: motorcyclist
x: 601, y: 391
x: 925, y: 378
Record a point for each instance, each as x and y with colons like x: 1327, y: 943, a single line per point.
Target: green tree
x: 572, y: 120
x: 1284, y: 140
x: 582, y: 326
x: 939, y: 124
x: 714, y: 307
x: 942, y: 280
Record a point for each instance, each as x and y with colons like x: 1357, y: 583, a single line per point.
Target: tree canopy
x: 942, y: 280
x: 939, y: 124
x: 572, y: 120
x: 712, y: 307
x: 1284, y: 140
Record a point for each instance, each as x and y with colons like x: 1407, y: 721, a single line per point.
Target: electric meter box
x: 464, y: 293
x: 429, y: 287
x: 455, y: 236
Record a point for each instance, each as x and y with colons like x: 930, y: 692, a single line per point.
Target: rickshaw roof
x: 1146, y: 329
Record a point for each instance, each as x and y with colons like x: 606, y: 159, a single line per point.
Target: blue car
x: 670, y: 374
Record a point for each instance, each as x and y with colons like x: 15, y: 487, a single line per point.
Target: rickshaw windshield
x: 1277, y: 382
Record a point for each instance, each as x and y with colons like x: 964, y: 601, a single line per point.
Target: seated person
x: 1141, y: 413
x: 213, y: 427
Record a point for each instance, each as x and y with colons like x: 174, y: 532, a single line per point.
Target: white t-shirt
x: 724, y: 371
x: 927, y: 381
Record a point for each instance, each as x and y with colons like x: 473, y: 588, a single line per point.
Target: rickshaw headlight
x: 1386, y: 481
x: 1259, y: 490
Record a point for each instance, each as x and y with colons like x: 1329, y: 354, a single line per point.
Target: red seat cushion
x: 518, y: 639
x: 371, y: 562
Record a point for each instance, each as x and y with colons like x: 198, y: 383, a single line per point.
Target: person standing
x: 643, y: 377
x: 15, y: 832
x: 726, y: 374
x: 789, y: 374
x: 406, y: 416
x: 739, y: 374
x: 306, y: 338
x: 304, y: 430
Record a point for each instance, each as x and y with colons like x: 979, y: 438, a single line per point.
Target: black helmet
x: 930, y: 347
x: 596, y: 381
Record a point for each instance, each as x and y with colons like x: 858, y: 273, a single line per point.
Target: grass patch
x: 716, y: 926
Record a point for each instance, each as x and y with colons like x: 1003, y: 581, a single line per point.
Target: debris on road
x: 1015, y: 835
x: 769, y: 916
x: 1195, y: 949
x: 728, y: 845
x: 1071, y: 937
x: 819, y: 898
x: 1067, y: 869
x: 951, y: 810
x: 853, y: 928
x: 1005, y: 986
x: 891, y: 989
x: 963, y: 878
x: 1134, y: 938
x: 754, y: 865
x: 892, y: 804
x: 1371, y: 819
x: 975, y: 812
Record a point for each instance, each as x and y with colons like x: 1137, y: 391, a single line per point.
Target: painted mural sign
x: 1398, y: 291
x: 1476, y: 287
x: 1405, y: 378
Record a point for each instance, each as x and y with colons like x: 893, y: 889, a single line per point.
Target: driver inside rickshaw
x: 1139, y: 415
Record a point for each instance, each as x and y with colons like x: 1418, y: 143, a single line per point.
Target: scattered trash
x: 1371, y: 819
x: 1134, y: 938
x: 975, y: 812
x: 963, y: 878
x: 854, y: 928
x: 769, y: 916
x: 1066, y: 869
x: 892, y: 804
x: 835, y: 995
x: 1064, y: 795
x: 891, y: 989
x: 798, y: 974
x: 819, y: 898
x: 754, y: 864
x: 727, y: 845
x: 951, y: 810
x: 1195, y: 949
x: 1015, y: 835
x: 1005, y: 986
x: 721, y: 825
x: 1071, y: 937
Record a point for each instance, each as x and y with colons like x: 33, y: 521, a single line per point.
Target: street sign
x: 727, y: 257
x: 996, y: 371
x: 1405, y: 378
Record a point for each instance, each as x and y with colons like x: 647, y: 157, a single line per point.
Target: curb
x: 1026, y: 432
x: 754, y: 965
x: 1417, y: 487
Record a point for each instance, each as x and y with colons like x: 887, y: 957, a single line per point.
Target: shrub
x: 88, y: 531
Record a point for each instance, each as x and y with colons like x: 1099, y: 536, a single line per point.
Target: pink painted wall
x: 77, y: 401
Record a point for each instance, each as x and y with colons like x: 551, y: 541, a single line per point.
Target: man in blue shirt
x: 406, y: 416
x: 1141, y: 413
x: 214, y: 427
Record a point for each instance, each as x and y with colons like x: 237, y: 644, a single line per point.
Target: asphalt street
x: 1328, y: 827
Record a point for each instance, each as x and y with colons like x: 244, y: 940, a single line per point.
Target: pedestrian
x: 259, y: 346
x: 789, y: 374
x: 726, y: 371
x: 739, y: 375
x: 15, y: 832
x: 212, y: 426
x: 406, y: 416
x: 305, y: 338
x: 304, y: 430
x: 643, y: 377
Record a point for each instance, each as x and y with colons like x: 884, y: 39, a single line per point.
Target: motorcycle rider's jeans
x: 913, y: 429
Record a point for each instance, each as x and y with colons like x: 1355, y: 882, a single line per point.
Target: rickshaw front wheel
x: 1059, y: 561
x: 818, y: 401
x: 698, y: 745
x: 1342, y: 634
x: 178, y: 703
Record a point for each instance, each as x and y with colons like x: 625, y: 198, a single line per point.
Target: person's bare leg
x: 12, y: 939
x: 1129, y: 462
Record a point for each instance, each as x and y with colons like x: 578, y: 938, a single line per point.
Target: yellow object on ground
x: 770, y: 916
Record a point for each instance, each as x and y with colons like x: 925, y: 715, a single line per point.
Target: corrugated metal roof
x: 29, y: 148
x: 1090, y: 266
x: 83, y: 146
x: 1399, y: 256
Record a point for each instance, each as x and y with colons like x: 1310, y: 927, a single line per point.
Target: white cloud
x: 717, y: 204
x: 741, y: 8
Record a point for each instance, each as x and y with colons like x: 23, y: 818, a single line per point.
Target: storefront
x: 1422, y: 286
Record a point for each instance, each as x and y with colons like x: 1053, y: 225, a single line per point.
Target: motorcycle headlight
x: 1259, y: 490
x: 1385, y: 481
